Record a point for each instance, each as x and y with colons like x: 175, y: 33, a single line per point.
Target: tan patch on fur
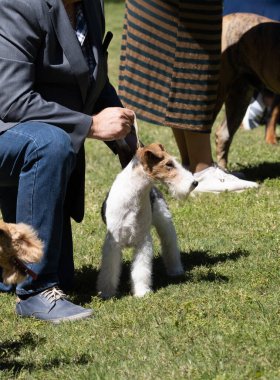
x: 156, y: 162
x: 22, y: 242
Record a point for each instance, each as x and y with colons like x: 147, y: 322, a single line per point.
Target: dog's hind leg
x: 270, y: 130
x: 162, y: 220
x: 109, y: 275
x: 141, y: 271
x: 236, y: 104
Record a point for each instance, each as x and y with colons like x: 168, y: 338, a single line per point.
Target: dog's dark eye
x: 170, y: 165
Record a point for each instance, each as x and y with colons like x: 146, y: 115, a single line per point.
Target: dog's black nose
x: 195, y: 183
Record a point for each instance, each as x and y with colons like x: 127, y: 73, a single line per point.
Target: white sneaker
x: 216, y: 180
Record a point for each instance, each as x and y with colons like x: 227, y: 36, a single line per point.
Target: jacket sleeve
x: 20, y: 40
x: 107, y: 98
x: 126, y: 147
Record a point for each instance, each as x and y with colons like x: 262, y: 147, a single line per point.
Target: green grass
x: 221, y: 321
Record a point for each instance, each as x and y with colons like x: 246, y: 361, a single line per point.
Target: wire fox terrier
x: 19, y: 244
x: 131, y: 207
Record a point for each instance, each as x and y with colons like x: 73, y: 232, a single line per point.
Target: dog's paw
x: 141, y: 292
x: 105, y: 295
x: 175, y: 272
x: 106, y: 292
x: 271, y: 140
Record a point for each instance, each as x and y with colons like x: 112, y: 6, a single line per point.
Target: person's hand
x: 112, y: 123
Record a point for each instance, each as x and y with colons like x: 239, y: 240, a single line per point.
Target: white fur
x: 129, y: 217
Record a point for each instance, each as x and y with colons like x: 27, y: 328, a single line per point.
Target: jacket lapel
x: 95, y: 21
x: 96, y: 25
x: 70, y: 45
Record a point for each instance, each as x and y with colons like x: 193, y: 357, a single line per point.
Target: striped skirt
x: 170, y: 60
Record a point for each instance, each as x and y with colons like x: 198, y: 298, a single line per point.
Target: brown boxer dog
x: 250, y: 60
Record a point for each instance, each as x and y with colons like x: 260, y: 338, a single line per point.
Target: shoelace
x: 53, y: 294
x: 221, y: 172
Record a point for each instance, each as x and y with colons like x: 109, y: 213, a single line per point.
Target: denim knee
x: 56, y: 144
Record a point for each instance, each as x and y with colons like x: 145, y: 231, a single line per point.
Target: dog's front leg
x: 162, y: 220
x: 109, y: 275
x: 141, y: 272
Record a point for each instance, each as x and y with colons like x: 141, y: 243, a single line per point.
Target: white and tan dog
x: 129, y: 214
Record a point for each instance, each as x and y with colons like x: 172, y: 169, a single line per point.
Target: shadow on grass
x: 204, y: 258
x: 193, y: 260
x: 86, y: 277
x: 262, y: 171
x: 84, y: 284
x: 13, y: 361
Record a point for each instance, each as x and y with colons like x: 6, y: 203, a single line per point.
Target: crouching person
x: 54, y: 93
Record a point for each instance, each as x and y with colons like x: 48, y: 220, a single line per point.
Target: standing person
x: 169, y: 72
x: 54, y: 93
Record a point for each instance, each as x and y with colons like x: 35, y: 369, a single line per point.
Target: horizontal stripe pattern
x: 170, y: 61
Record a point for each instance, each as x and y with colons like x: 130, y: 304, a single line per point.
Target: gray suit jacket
x: 44, y: 76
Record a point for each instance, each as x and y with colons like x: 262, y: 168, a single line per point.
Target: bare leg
x: 199, y: 149
x: 179, y: 136
x: 194, y: 148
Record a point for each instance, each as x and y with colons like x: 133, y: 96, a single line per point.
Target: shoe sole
x: 193, y: 194
x: 60, y: 320
x: 71, y: 319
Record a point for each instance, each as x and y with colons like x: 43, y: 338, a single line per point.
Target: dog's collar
x: 23, y: 268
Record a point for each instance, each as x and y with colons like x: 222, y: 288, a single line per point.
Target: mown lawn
x: 221, y: 321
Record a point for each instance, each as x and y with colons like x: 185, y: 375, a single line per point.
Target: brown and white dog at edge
x: 133, y: 204
x: 19, y: 245
x: 250, y: 61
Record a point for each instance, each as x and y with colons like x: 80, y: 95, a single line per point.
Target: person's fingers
x: 129, y: 114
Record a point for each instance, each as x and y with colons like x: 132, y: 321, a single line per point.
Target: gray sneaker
x: 51, y: 305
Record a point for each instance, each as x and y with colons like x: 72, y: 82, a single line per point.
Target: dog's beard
x: 182, y: 186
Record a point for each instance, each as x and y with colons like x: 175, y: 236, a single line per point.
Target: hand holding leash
x: 112, y: 123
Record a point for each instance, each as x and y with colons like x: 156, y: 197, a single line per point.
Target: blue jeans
x: 41, y: 159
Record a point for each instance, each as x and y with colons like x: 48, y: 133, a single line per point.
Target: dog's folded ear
x: 20, y: 240
x: 151, y: 155
x: 19, y: 244
x: 29, y: 246
x: 156, y: 149
x: 5, y: 239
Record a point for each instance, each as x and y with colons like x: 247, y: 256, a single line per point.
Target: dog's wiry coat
x: 129, y: 217
x: 17, y: 241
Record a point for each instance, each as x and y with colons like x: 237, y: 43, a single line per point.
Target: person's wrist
x: 90, y: 131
